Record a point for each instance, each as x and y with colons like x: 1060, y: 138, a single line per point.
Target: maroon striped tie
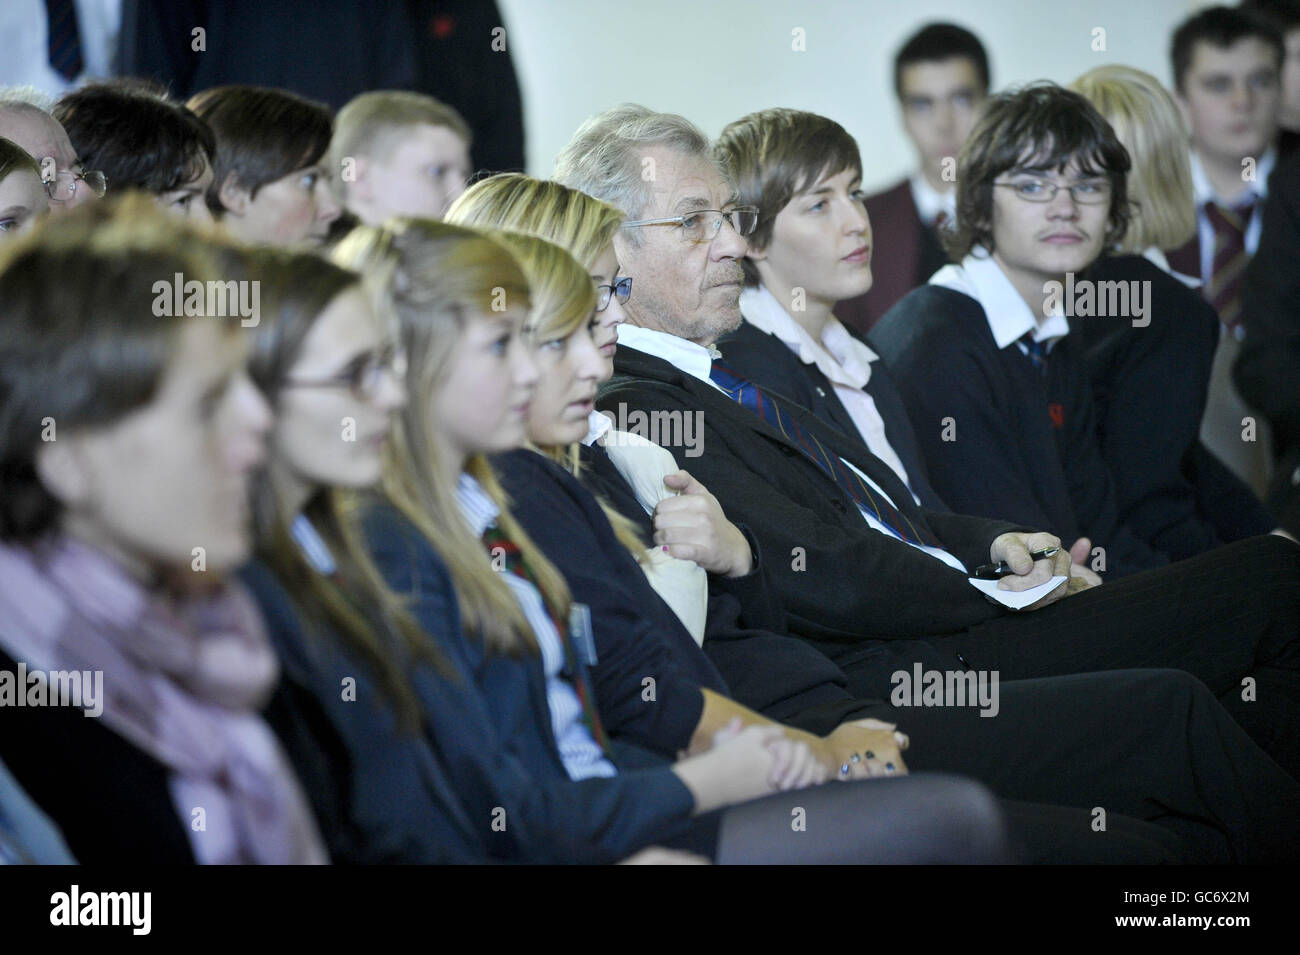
x: 1229, y: 263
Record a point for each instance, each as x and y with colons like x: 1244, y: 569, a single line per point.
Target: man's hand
x: 1015, y: 549
x: 1081, y: 576
x: 876, y: 744
x: 693, y: 527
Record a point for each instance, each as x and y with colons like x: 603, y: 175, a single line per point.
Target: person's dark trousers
x: 1230, y: 616
x: 1154, y: 745
x: 908, y: 820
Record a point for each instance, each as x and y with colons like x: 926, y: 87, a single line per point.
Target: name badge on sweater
x: 584, y: 641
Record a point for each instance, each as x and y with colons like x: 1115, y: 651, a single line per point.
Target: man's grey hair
x: 26, y: 99
x: 604, y: 157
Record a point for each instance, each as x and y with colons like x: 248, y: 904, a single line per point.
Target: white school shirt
x: 1009, y: 317
x: 843, y: 359
x: 582, y: 756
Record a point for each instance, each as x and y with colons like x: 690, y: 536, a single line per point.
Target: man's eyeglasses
x: 703, y: 225
x: 63, y: 186
x: 1090, y: 192
x: 622, y: 288
x: 364, y: 376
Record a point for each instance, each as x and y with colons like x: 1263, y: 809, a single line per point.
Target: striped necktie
x: 574, y: 671
x: 876, y: 503
x: 64, y: 38
x: 1229, y: 263
x: 1036, y: 350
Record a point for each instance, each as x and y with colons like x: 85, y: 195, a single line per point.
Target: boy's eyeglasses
x: 622, y: 289
x: 1090, y: 192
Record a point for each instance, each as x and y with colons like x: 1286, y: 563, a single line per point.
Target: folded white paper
x: 1016, y: 599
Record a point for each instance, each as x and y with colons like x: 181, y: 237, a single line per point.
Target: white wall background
x: 716, y: 60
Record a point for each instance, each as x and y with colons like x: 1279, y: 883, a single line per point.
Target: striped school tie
x: 64, y: 38
x: 1228, y: 266
x: 876, y: 503
x: 1037, y: 351
x: 574, y: 671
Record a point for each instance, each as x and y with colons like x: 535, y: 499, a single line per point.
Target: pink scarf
x: 184, y: 680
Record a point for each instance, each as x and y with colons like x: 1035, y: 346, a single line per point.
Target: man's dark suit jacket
x: 1268, y: 366
x: 904, y: 254
x: 1149, y: 386
x: 842, y: 583
x: 638, y: 635
x: 766, y: 360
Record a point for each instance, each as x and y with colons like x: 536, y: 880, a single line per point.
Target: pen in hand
x: 1003, y: 569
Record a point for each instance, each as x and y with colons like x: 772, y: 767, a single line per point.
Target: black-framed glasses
x: 364, y: 375
x: 63, y: 185
x: 1089, y: 192
x: 704, y: 224
x: 621, y: 289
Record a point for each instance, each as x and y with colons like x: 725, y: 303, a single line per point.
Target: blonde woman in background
x: 1150, y: 372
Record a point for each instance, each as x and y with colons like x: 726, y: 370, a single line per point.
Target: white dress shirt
x: 930, y: 201
x: 1009, y: 317
x: 1205, y: 193
x: 843, y: 359
x: 697, y: 361
x: 582, y: 755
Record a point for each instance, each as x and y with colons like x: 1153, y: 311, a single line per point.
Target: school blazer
x: 492, y: 727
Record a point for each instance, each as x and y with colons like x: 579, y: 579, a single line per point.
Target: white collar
x: 598, y: 423
x: 684, y: 355
x: 313, y: 545
x: 842, y: 358
x: 1009, y: 318
x: 930, y: 201
x: 1205, y: 192
x: 1157, y: 258
x: 480, y: 510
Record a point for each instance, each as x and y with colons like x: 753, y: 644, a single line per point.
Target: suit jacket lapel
x: 641, y: 366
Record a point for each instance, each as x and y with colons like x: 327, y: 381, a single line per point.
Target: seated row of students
x: 367, y: 727
x: 1126, y: 495
x: 763, y: 655
x: 811, y: 492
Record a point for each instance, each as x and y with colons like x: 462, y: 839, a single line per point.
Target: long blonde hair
x: 1146, y: 120
x: 563, y: 298
x: 573, y: 220
x: 579, y: 224
x: 436, y: 277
